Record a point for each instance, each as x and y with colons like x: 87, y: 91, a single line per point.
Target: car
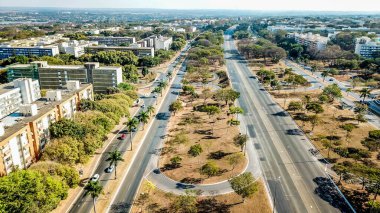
x: 143, y: 106
x: 95, y: 178
x: 331, y: 79
x: 123, y: 136
x: 154, y: 96
x: 110, y: 168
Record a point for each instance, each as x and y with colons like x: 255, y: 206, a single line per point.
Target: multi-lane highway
x: 149, y: 148
x: 288, y: 168
x: 84, y: 203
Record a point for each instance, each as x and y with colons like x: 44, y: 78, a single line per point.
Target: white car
x: 95, y: 178
x: 110, y: 169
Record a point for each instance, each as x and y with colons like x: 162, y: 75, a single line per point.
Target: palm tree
x: 94, y: 189
x: 143, y: 118
x: 163, y: 84
x: 348, y: 90
x: 132, y: 123
x: 150, y: 110
x: 365, y: 92
x: 114, y: 157
x: 324, y: 74
x: 169, y: 74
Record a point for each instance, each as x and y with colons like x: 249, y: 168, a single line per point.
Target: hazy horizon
x: 247, y: 5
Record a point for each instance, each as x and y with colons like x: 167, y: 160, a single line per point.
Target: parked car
x: 110, y: 168
x: 143, y: 106
x: 95, y: 178
x: 154, y: 96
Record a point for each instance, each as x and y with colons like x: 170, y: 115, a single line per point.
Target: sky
x: 317, y: 5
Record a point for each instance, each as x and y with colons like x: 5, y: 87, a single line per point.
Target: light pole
x: 275, y: 193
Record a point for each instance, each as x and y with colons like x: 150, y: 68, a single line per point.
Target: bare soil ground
x: 159, y: 201
x: 200, y: 132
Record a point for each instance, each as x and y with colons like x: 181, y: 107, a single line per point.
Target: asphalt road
x: 289, y: 169
x: 316, y: 80
x: 84, y: 203
x: 149, y: 148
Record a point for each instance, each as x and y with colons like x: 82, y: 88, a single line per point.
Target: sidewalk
x: 89, y: 167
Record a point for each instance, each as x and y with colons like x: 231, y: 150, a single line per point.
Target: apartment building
x: 112, y: 41
x: 20, y: 91
x: 7, y: 51
x: 25, y: 133
x: 75, y: 47
x: 57, y: 76
x: 367, y: 47
x: 138, y: 51
x: 313, y: 41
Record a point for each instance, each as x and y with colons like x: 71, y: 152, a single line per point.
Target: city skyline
x: 272, y: 5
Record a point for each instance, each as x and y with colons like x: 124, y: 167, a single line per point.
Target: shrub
x: 195, y: 150
x: 210, y: 169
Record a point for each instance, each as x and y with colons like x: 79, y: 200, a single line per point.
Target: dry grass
x: 258, y: 203
x: 199, y: 131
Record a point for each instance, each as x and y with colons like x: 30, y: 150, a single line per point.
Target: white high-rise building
x: 367, y: 48
x: 314, y: 41
x: 20, y: 91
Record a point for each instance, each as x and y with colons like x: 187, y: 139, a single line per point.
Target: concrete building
x: 24, y: 134
x: 162, y: 43
x: 367, y: 48
x: 112, y: 41
x: 74, y: 47
x: 313, y: 41
x: 57, y: 76
x: 22, y: 71
x: 8, y: 51
x: 20, y: 91
x: 138, y: 51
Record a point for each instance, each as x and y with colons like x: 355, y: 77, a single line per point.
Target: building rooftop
x: 6, y: 87
x: 16, y: 121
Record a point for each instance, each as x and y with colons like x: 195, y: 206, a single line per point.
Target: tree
x: 236, y: 111
x: 314, y: 120
x: 150, y: 110
x: 206, y: 94
x: 365, y: 92
x: 143, y: 117
x: 234, y: 159
x: 349, y: 127
x: 184, y: 204
x: 295, y: 106
x: 210, y: 169
x: 314, y: 107
x: 226, y: 95
x: 131, y: 124
x: 372, y: 142
x: 67, y: 127
x: 195, y: 150
x: 145, y: 71
x: 176, y: 161
x: 188, y: 89
x: 324, y: 74
x: 114, y: 157
x: 328, y: 145
x: 341, y: 170
x: 94, y: 189
x: 332, y: 91
x: 360, y: 110
x: 65, y: 150
x: 68, y: 174
x: 244, y: 185
x: 175, y: 106
x: 240, y: 141
x: 31, y: 191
